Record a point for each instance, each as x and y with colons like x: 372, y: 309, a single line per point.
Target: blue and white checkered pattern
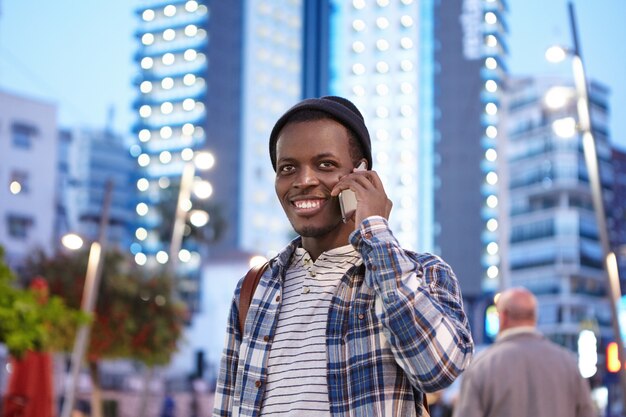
x: 396, y: 328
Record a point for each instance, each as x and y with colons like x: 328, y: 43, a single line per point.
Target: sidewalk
x: 127, y: 404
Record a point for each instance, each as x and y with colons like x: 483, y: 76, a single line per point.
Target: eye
x: 285, y: 169
x: 327, y: 164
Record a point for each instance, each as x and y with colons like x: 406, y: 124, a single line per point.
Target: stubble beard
x: 316, y: 232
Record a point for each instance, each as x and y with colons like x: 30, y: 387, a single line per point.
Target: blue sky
x: 78, y: 54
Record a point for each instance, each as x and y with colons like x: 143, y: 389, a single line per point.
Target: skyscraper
x: 171, y: 126
x: 88, y: 160
x: 426, y: 75
x: 553, y: 237
x: 213, y: 76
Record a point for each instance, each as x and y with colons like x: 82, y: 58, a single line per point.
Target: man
x: 523, y: 374
x: 344, y: 322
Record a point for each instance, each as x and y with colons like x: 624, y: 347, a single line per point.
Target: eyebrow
x: 317, y: 156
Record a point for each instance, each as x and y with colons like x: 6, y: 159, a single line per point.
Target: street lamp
x: 557, y: 54
x: 203, y: 189
x: 89, y: 297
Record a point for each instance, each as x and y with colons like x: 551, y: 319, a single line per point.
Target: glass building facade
x: 171, y: 125
x: 552, y: 233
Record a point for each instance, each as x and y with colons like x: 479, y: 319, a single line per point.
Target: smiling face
x: 311, y: 157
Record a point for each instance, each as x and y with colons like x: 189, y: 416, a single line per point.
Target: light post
x: 201, y: 161
x: 556, y: 54
x: 89, y: 298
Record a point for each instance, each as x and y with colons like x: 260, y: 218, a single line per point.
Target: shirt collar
x: 517, y: 330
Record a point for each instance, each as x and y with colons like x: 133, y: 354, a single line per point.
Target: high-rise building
x: 272, y: 82
x: 617, y: 208
x: 616, y: 222
x: 470, y: 53
x: 88, y: 159
x: 172, y: 115
x: 28, y: 158
x: 213, y: 76
x: 554, y: 248
x: 426, y: 75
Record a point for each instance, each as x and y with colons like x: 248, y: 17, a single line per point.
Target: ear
x: 365, y: 164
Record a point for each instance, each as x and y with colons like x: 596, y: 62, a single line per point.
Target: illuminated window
x: 190, y: 54
x: 169, y: 34
x: 189, y: 104
x: 491, y: 18
x: 492, y: 225
x: 382, y: 67
x: 382, y: 44
x: 169, y: 10
x: 167, y: 107
x: 406, y: 43
x: 165, y: 132
x: 492, y: 201
x: 142, y: 209
x: 491, y: 109
x: 188, y: 129
x: 406, y: 65
x: 189, y: 79
x: 191, y: 6
x: 165, y: 157
x: 167, y: 83
x: 491, y: 86
x: 358, y: 25
x: 145, y: 87
x: 191, y: 30
x: 406, y: 21
x: 358, y: 4
x: 148, y: 15
x: 141, y: 233
x: 146, y: 62
x: 19, y: 182
x: 358, y: 69
x: 147, y: 39
x: 168, y: 58
x: 358, y: 47
x: 382, y: 23
x: 141, y: 258
x: 491, y: 41
x: 144, y: 135
x: 143, y: 184
x: 143, y: 160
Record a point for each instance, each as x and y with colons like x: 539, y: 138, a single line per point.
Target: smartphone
x: 347, y: 199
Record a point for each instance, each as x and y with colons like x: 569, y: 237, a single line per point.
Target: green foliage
x: 30, y: 320
x: 135, y: 315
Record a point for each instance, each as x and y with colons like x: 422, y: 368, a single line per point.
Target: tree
x: 29, y: 320
x: 135, y: 318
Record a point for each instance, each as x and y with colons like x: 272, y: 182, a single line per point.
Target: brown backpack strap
x: 248, y: 287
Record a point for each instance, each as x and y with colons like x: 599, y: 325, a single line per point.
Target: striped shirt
x: 395, y: 329
x: 296, y: 379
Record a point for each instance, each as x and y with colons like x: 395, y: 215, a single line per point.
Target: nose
x: 306, y: 178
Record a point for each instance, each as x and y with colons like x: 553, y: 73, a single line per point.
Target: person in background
x: 344, y: 322
x: 523, y: 374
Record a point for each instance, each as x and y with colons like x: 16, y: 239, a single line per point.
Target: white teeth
x: 308, y: 204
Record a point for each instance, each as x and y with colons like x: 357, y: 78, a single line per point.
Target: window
x: 19, y: 226
x: 22, y: 135
x: 19, y: 182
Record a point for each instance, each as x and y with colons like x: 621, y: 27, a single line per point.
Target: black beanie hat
x: 338, y: 108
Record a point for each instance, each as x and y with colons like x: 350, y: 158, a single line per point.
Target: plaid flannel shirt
x: 396, y: 328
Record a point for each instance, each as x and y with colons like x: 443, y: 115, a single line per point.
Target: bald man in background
x: 523, y: 374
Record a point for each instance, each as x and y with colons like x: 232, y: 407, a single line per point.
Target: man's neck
x: 315, y: 246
